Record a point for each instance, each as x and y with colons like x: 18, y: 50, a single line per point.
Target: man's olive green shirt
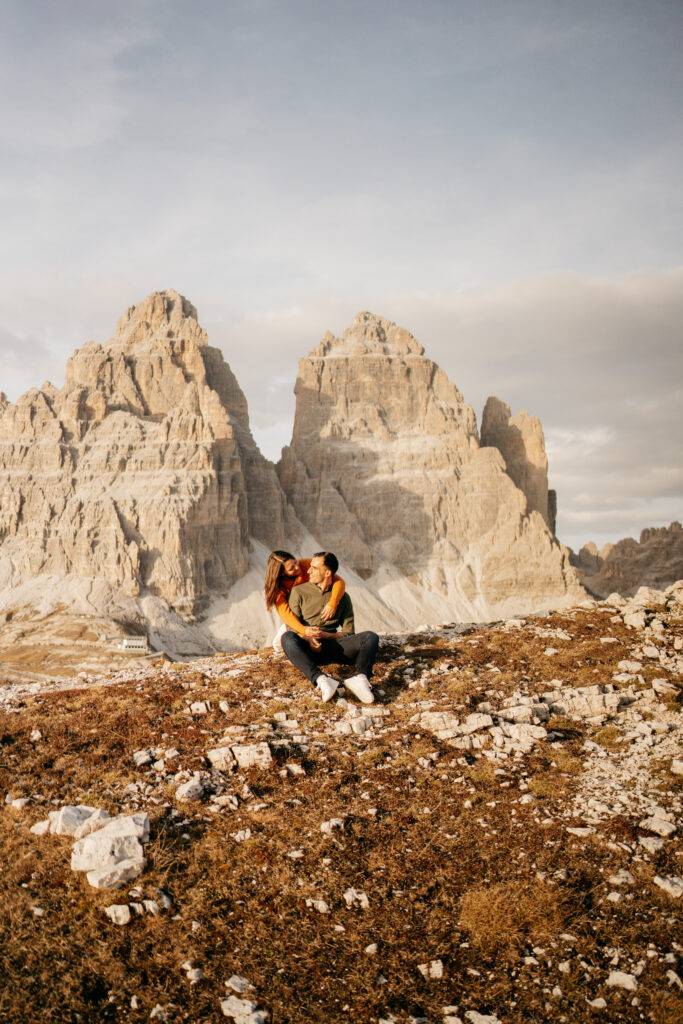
x: 307, y: 602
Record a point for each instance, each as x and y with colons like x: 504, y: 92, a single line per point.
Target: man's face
x: 318, y: 571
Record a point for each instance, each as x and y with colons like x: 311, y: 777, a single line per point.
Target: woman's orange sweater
x: 286, y: 585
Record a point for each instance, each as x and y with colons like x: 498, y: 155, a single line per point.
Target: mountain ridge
x: 140, y: 481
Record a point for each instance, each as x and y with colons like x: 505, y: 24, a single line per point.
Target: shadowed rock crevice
x: 520, y: 441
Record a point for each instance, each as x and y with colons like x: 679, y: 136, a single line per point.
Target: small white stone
x: 622, y: 877
x: 671, y: 884
x: 221, y: 758
x: 371, y: 949
x: 234, y: 1007
x: 193, y: 789
x: 677, y: 766
x: 328, y: 827
x: 142, y: 757
x: 40, y: 827
x: 295, y: 854
x: 352, y: 896
x: 119, y: 913
x: 36, y: 735
x: 651, y: 843
x: 434, y: 969
x: 660, y: 826
x: 238, y: 984
x: 619, y: 979
x: 481, y: 1018
x: 597, y: 1004
x: 253, y: 755
x: 242, y: 835
x: 318, y: 905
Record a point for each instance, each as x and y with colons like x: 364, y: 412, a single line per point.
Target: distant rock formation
x: 136, y: 491
x: 385, y: 464
x: 520, y: 441
x: 654, y: 561
x: 141, y: 470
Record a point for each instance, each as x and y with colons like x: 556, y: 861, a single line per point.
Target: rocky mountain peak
x: 369, y: 335
x: 164, y: 315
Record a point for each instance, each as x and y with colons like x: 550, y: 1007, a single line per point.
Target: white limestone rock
x: 221, y: 758
x: 660, y: 826
x: 68, y: 819
x: 672, y: 885
x: 252, y: 755
x: 119, y: 913
x: 191, y: 790
x: 93, y: 823
x: 114, y: 875
x: 620, y: 979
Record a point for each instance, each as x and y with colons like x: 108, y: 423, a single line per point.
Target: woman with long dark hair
x: 283, y: 572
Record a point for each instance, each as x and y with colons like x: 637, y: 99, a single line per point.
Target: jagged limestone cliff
x: 137, y: 489
x: 141, y: 470
x: 385, y: 464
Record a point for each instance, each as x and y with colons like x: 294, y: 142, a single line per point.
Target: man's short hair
x: 331, y: 561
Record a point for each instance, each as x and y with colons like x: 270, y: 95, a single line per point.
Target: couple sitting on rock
x: 318, y: 625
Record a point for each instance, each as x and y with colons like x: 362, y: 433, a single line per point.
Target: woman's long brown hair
x: 274, y: 569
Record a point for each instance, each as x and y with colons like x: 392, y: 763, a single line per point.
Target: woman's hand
x: 327, y: 612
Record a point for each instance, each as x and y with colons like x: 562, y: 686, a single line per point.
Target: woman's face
x: 291, y: 567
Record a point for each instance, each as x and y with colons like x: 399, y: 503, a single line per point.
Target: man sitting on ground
x: 336, y: 643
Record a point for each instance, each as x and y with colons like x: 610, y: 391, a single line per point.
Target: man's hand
x: 313, y: 633
x: 327, y: 612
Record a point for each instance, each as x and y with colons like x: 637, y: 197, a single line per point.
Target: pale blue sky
x: 502, y: 177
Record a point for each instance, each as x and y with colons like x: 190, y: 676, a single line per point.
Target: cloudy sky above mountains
x: 500, y: 177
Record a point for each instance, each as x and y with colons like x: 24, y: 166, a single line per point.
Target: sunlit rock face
x: 141, y: 470
x: 140, y: 479
x: 386, y: 466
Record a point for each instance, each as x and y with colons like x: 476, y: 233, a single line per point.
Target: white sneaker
x: 360, y: 687
x: 327, y: 687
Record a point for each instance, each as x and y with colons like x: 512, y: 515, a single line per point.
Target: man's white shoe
x: 360, y: 687
x: 327, y: 687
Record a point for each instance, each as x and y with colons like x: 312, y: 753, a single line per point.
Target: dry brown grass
x: 507, y: 915
x: 477, y: 887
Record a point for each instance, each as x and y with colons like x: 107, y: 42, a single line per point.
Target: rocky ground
x: 495, y: 839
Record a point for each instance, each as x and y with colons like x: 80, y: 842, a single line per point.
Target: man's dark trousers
x: 359, y: 649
